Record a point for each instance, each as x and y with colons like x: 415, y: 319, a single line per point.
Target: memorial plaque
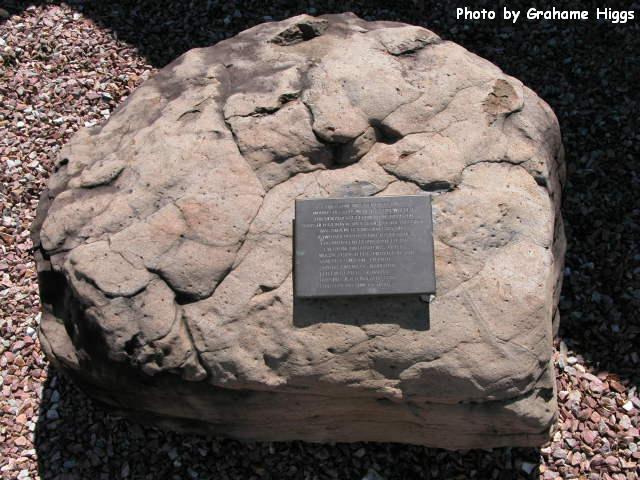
x: 363, y: 246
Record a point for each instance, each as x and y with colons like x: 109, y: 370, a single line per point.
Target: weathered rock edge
x: 163, y: 242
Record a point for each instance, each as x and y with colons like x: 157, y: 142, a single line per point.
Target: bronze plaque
x: 363, y: 246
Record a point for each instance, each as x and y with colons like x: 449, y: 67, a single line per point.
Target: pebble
x: 625, y: 422
x: 611, y: 460
x: 527, y: 467
x: 21, y: 441
x: 52, y: 414
x: 373, y: 475
x: 617, y: 386
x: 589, y: 436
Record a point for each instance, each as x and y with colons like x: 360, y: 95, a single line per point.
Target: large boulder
x: 164, y: 242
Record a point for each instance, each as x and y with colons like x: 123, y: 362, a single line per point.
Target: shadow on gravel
x: 77, y: 438
x: 584, y: 70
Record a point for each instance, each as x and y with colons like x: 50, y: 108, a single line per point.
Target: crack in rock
x: 301, y: 31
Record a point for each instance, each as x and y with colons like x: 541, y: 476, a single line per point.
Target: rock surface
x: 164, y: 242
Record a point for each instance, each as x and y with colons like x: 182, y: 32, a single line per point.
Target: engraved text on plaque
x: 364, y: 246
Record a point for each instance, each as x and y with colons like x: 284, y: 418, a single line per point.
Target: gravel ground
x: 63, y: 66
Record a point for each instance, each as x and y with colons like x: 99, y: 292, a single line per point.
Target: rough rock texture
x: 164, y: 242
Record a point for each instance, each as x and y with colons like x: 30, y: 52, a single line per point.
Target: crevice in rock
x: 539, y: 179
x: 72, y: 234
x: 235, y: 138
x: 497, y: 104
x: 197, y: 354
x: 437, y: 186
x: 192, y: 111
x: 441, y: 240
x: 384, y: 133
x: 501, y: 161
x: 266, y: 288
x: 386, y: 187
x: 182, y: 297
x: 542, y: 392
x: 301, y: 32
x: 243, y: 240
x: 90, y: 281
x: 545, y: 392
x: 410, y: 47
x: 433, y: 186
x: 320, y: 186
x: 273, y: 362
x: 53, y: 286
x: 133, y: 344
x: 441, y: 109
x: 185, y: 298
x: 102, y: 183
x: 411, y: 51
x: 335, y: 148
x: 313, y: 121
x: 283, y: 100
x: 488, y: 334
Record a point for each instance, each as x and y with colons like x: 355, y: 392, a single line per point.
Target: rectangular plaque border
x: 419, y: 290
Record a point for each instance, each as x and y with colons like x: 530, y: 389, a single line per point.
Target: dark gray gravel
x: 66, y: 65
